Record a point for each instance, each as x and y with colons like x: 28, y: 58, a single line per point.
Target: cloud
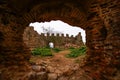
x: 59, y: 26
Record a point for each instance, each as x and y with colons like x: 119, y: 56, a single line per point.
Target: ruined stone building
x: 33, y: 40
x: 99, y: 18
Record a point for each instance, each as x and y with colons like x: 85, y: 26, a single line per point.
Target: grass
x: 75, y: 52
x: 46, y: 51
x: 42, y: 52
x: 56, y: 50
x: 71, y: 48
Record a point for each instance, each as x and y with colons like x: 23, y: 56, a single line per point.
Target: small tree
x: 48, y: 30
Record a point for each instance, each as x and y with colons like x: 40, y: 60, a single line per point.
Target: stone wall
x: 99, y: 18
x: 103, y: 39
x: 33, y: 40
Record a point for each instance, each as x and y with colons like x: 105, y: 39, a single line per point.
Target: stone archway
x: 100, y: 19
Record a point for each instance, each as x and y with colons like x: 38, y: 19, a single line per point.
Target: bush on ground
x: 76, y: 52
x: 71, y: 48
x: 56, y: 50
x: 42, y: 52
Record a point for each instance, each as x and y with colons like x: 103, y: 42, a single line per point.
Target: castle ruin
x: 33, y: 40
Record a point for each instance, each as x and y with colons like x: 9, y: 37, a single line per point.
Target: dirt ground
x: 58, y: 59
x: 59, y: 67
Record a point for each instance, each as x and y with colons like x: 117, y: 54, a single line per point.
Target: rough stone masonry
x: 99, y: 18
x: 34, y: 40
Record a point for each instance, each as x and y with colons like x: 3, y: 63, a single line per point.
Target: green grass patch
x: 42, y: 52
x: 56, y: 50
x: 71, y: 48
x: 76, y: 52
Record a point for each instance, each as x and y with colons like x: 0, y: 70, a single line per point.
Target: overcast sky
x: 59, y: 26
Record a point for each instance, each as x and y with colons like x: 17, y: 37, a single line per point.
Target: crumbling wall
x: 99, y: 18
x: 103, y: 39
x: 33, y: 40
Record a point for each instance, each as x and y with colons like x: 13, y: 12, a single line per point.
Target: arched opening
x: 100, y: 19
x: 54, y: 29
x: 69, y: 50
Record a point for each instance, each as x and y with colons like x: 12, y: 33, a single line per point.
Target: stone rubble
x: 53, y: 69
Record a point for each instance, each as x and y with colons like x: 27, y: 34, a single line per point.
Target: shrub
x: 36, y: 51
x: 71, y: 48
x: 77, y: 52
x: 56, y: 49
x: 42, y: 52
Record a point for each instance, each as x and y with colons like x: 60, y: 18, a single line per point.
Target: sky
x: 59, y: 26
